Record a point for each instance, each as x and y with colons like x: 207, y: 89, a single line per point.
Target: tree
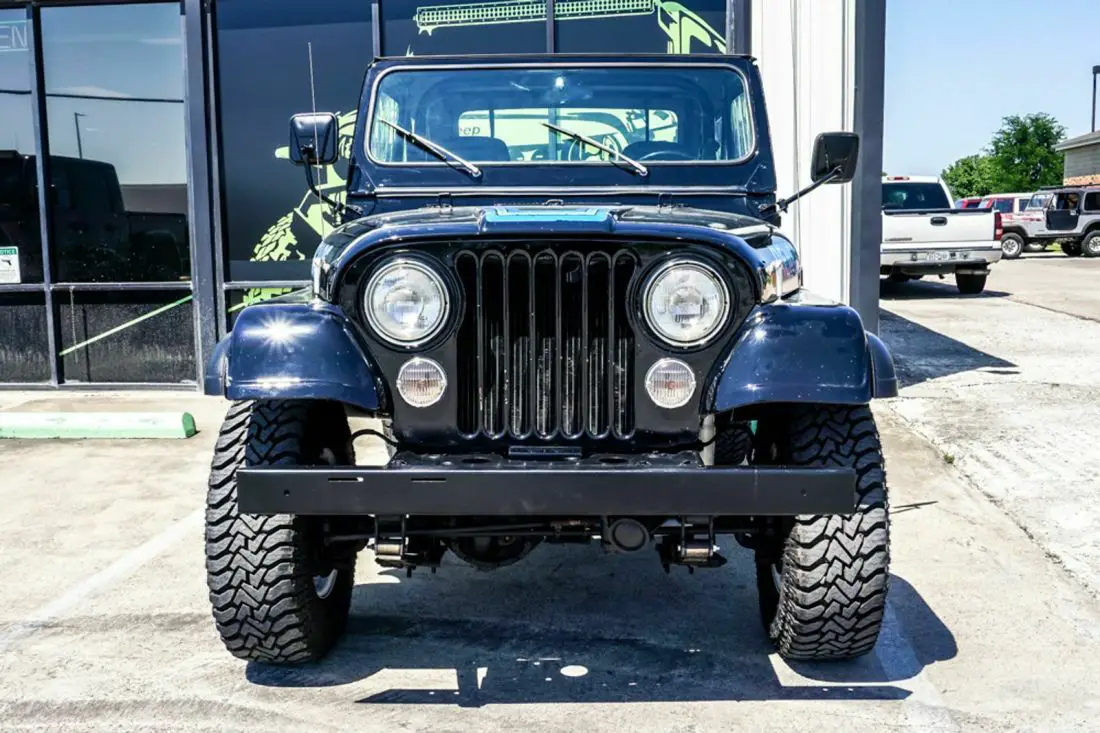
x: 1022, y: 153
x: 970, y: 176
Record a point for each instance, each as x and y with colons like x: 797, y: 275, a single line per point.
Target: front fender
x: 294, y: 351
x: 797, y: 352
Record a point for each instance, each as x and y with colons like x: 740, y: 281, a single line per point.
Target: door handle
x: 939, y: 221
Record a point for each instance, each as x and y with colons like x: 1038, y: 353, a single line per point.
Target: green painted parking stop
x: 97, y: 425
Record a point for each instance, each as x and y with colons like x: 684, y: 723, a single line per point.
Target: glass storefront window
x: 272, y: 222
x: 640, y: 26
x: 434, y: 27
x: 20, y: 232
x: 126, y: 336
x: 24, y: 350
x: 118, y: 168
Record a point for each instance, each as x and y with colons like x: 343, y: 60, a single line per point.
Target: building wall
x: 1082, y: 165
x: 807, y: 55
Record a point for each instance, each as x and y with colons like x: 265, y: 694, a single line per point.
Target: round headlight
x: 406, y: 302
x: 686, y: 303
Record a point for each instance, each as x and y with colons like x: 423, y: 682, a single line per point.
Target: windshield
x: 1039, y: 201
x: 654, y: 115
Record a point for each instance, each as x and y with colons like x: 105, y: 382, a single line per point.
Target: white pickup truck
x: 924, y: 234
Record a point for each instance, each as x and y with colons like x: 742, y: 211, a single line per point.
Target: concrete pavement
x: 106, y: 626
x: 1008, y: 384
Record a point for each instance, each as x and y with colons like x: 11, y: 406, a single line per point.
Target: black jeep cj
x: 559, y: 287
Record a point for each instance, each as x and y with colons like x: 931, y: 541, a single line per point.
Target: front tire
x: 1012, y: 246
x: 970, y: 284
x: 822, y: 587
x: 278, y: 594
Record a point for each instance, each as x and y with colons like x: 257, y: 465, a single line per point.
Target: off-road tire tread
x: 260, y: 568
x: 732, y: 443
x: 836, y: 568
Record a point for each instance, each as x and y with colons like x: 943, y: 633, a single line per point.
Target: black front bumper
x: 614, y: 485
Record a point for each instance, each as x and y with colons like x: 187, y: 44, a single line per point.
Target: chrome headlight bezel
x: 721, y: 289
x: 440, y: 288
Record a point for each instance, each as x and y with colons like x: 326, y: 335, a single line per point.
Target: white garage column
x: 822, y: 63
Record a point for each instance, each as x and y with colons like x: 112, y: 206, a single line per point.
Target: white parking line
x: 117, y: 570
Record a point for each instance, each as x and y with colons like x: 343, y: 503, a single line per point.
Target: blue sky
x: 954, y: 68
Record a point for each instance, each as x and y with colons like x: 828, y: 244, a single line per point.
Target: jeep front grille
x: 545, y: 349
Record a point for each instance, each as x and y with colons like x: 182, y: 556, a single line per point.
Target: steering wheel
x: 666, y: 155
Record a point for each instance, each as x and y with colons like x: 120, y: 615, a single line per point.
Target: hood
x: 756, y: 242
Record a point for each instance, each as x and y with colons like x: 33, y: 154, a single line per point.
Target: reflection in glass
x: 24, y: 350
x: 20, y: 231
x: 115, y: 115
x: 126, y: 336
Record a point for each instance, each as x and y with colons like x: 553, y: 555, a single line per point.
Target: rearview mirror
x: 313, y: 139
x: 835, y: 151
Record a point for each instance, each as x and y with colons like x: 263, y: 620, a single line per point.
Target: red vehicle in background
x: 968, y: 203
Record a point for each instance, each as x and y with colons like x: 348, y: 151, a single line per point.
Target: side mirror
x: 835, y: 151
x: 313, y: 139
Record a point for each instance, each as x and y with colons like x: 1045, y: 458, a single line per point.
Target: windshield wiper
x: 641, y: 169
x: 435, y: 149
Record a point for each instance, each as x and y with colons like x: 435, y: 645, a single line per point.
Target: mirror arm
x: 336, y: 205
x: 782, y: 204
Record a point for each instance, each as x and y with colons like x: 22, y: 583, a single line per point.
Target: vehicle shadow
x: 921, y: 354
x: 929, y: 287
x: 574, y: 628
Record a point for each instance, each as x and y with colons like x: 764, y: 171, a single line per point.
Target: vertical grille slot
x: 571, y: 338
x: 492, y: 298
x: 518, y: 318
x: 545, y: 310
x: 545, y: 347
x: 468, y: 379
x: 598, y: 342
x: 621, y: 395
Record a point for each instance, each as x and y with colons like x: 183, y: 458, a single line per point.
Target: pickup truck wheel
x: 278, y: 594
x: 823, y: 590
x: 1012, y: 246
x: 1091, y: 246
x: 970, y: 284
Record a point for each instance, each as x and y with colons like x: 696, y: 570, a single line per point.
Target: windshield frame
x: 368, y: 129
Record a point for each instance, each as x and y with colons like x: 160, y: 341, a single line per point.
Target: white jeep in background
x: 1069, y: 215
x: 923, y: 234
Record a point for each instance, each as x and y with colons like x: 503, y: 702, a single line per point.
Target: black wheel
x: 1012, y: 246
x: 822, y: 586
x: 278, y: 594
x: 898, y: 277
x: 1090, y: 247
x: 970, y: 284
x: 1072, y: 249
x: 732, y: 444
